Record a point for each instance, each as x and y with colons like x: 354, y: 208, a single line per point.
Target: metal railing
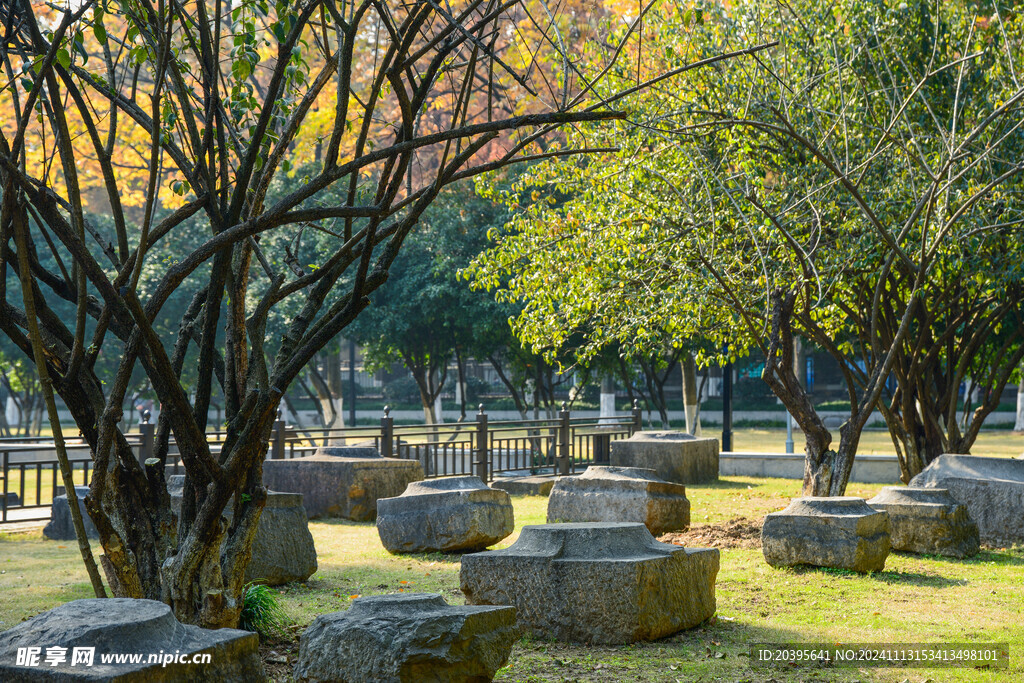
x: 30, y: 475
x: 562, y: 444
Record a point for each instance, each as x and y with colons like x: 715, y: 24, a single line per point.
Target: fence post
x: 564, y: 459
x: 4, y: 471
x: 146, y: 433
x: 727, y: 406
x: 277, y: 451
x: 638, y: 418
x: 387, y: 433
x: 482, y: 455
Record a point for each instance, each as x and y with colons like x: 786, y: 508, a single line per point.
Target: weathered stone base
x: 406, y: 638
x: 840, y: 532
x: 676, y: 456
x: 928, y: 521
x: 620, y: 494
x: 534, y: 485
x: 60, y: 527
x: 595, y: 583
x: 991, y: 488
x: 282, y: 549
x: 447, y: 514
x: 126, y: 626
x: 346, y: 487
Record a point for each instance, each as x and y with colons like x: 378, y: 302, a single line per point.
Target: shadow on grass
x: 718, y: 649
x: 338, y: 521
x: 724, y: 484
x: 916, y: 579
x: 890, y: 577
x: 1011, y: 557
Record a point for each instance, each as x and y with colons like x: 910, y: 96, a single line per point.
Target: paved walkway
x: 25, y: 519
x: 22, y: 527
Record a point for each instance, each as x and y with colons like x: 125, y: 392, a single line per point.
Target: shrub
x: 475, y: 388
x: 261, y: 612
x: 402, y: 390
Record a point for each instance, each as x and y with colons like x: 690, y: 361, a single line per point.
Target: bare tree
x: 213, y: 113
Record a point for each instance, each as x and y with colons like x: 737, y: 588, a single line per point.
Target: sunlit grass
x: 916, y: 599
x: 997, y: 443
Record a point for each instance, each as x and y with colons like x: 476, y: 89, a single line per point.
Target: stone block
x: 447, y: 514
x: 534, y: 485
x: 839, y: 532
x: 282, y: 549
x: 342, y: 486
x: 675, y: 456
x: 620, y: 494
x: 603, y: 583
x: 60, y: 526
x: 991, y: 488
x: 406, y: 638
x: 128, y: 626
x: 926, y: 520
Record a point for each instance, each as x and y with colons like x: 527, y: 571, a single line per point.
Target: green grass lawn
x: 998, y: 443
x: 914, y: 600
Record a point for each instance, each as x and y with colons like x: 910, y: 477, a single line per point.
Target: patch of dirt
x: 738, y: 532
x: 279, y: 656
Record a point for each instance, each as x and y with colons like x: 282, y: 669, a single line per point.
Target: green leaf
x: 63, y: 58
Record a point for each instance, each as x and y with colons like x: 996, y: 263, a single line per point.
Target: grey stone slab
x: 355, y: 451
x: 534, y: 485
x: 282, y: 549
x: 602, y: 583
x: 620, y: 494
x: 127, y: 626
x: 447, y: 514
x: 927, y: 520
x: 841, y: 532
x: 410, y: 638
x: 335, y: 486
x: 676, y: 456
x: 60, y: 527
x: 991, y: 488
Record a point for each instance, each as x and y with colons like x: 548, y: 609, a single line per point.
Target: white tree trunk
x: 334, y: 418
x: 691, y: 405
x: 12, y: 412
x: 1019, y: 424
x: 607, y: 401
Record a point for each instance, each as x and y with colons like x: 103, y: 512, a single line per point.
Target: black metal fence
x: 563, y: 444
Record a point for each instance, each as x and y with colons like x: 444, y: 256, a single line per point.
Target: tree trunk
x: 519, y: 398
x: 826, y: 471
x: 1018, y: 426
x: 335, y: 391
x: 607, y: 403
x: 460, y: 387
x: 691, y: 400
x: 328, y: 395
x: 46, y: 390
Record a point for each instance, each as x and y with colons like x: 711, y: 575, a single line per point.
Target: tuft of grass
x: 262, y: 613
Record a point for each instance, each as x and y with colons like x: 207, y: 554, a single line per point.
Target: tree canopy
x: 832, y: 187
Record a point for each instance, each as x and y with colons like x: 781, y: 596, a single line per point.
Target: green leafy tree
x: 828, y: 189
